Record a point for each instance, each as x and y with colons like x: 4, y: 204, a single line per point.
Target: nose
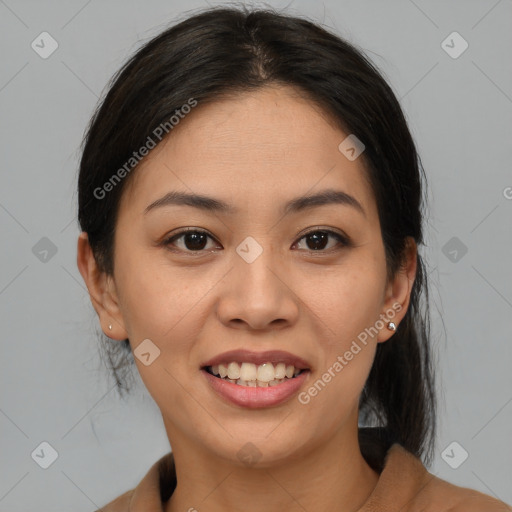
x: 258, y: 295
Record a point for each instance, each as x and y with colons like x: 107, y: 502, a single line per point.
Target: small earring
x: 392, y: 326
x: 109, y: 327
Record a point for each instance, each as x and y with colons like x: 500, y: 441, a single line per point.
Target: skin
x: 255, y: 151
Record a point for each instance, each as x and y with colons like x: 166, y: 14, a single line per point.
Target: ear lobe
x: 398, y: 291
x: 102, y: 291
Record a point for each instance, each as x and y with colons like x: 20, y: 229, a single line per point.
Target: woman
x: 251, y: 205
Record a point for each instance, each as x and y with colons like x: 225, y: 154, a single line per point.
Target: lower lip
x: 256, y: 398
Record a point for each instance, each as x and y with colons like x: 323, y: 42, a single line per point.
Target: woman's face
x: 251, y: 279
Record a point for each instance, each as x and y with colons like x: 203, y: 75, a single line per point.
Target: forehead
x: 256, y: 148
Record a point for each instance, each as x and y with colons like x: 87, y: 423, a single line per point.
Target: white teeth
x: 223, y: 370
x: 248, y: 371
x: 280, y: 370
x: 250, y: 375
x: 266, y: 372
x: 233, y: 371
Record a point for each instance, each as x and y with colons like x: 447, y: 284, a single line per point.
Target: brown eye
x: 319, y: 239
x: 195, y: 241
x: 192, y: 240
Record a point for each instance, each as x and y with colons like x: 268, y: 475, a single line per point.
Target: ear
x: 398, y: 291
x: 102, y: 291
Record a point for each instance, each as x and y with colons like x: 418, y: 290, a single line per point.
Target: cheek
x: 159, y: 301
x: 347, y: 297
x: 348, y: 301
x: 165, y: 305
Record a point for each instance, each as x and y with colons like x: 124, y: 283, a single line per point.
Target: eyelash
x: 342, y: 239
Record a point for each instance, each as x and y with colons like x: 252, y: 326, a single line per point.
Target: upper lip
x: 269, y: 356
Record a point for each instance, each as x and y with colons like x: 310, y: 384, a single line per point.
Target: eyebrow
x: 298, y: 204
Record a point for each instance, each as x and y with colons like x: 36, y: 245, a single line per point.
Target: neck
x: 330, y: 477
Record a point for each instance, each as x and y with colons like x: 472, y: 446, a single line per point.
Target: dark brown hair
x: 230, y: 50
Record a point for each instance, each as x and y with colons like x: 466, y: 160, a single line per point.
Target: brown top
x: 404, y: 485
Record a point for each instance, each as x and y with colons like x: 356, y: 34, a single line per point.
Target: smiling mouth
x: 252, y: 375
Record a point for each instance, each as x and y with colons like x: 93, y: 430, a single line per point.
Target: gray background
x: 53, y: 387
